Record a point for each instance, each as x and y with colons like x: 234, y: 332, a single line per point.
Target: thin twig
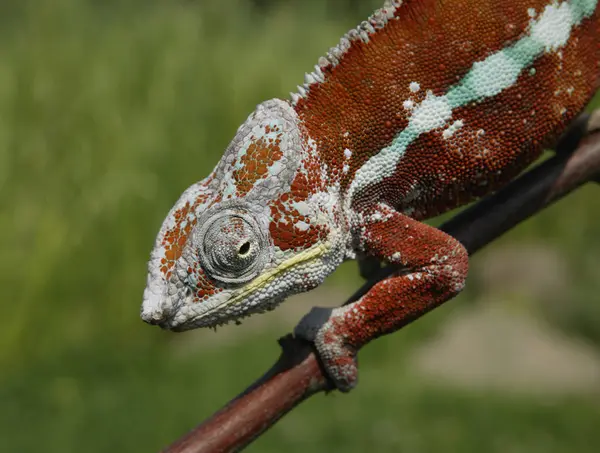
x: 297, y: 374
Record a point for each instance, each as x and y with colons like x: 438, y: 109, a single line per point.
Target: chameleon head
x: 257, y: 230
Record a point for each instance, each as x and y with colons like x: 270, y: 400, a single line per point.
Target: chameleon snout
x: 154, y: 317
x: 154, y: 311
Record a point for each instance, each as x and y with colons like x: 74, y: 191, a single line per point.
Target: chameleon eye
x: 244, y: 249
x: 233, y: 248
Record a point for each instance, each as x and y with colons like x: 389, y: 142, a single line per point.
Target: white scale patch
x: 302, y: 207
x: 414, y: 87
x: 453, y: 128
x: 301, y: 226
x: 430, y: 114
x: 550, y: 31
x: 553, y: 28
x: 396, y: 256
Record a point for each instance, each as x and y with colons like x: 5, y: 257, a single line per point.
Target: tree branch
x: 297, y: 374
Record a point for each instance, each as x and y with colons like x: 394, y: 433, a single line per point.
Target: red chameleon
x: 425, y: 106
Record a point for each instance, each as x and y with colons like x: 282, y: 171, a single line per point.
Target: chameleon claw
x: 322, y: 326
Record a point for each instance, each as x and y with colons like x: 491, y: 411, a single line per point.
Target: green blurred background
x: 108, y: 110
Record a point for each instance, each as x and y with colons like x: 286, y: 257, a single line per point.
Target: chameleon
x: 422, y: 108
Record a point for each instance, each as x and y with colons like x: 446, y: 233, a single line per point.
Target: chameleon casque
x: 427, y: 105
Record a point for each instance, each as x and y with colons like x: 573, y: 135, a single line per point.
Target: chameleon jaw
x: 256, y: 296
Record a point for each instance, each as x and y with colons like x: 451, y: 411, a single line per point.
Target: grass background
x: 108, y: 110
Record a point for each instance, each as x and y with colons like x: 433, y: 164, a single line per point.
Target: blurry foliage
x: 345, y: 7
x: 109, y: 109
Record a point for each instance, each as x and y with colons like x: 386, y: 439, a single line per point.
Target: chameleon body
x: 425, y: 106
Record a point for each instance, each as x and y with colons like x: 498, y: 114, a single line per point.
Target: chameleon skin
x: 424, y: 107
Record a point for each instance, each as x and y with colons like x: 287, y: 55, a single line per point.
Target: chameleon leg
x: 436, y: 268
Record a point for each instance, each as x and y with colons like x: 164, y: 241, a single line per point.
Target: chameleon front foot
x: 323, y: 327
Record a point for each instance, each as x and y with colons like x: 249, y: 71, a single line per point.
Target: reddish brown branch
x: 297, y: 374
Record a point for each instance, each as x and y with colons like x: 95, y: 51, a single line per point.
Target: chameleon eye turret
x: 234, y: 248
x: 424, y: 107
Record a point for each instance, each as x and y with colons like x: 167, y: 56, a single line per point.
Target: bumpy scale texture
x: 425, y: 106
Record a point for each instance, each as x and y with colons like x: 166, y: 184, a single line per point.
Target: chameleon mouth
x: 189, y: 315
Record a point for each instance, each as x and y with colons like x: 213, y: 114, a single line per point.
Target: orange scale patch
x: 205, y: 288
x: 175, y: 239
x: 285, y: 219
x: 287, y: 236
x: 260, y: 155
x: 300, y: 188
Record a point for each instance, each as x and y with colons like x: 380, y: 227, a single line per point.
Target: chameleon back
x: 440, y: 102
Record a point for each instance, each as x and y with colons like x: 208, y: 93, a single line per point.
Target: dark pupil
x: 245, y: 248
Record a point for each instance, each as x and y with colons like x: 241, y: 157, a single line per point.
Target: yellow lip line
x: 265, y: 278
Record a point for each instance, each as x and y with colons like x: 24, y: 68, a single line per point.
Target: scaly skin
x: 424, y: 107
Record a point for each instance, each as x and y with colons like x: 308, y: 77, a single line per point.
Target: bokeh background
x: 108, y: 111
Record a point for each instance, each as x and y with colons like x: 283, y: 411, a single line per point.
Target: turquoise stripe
x: 522, y: 54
